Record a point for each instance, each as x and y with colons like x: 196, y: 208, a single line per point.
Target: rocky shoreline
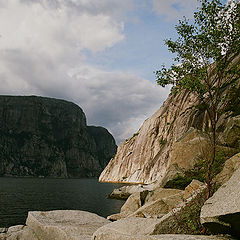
x: 149, y: 213
x: 80, y: 225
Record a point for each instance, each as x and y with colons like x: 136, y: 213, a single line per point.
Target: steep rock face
x: 169, y: 142
x: 144, y: 158
x: 105, y: 144
x: 48, y: 137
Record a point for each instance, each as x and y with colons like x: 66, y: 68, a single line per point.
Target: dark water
x: 20, y: 195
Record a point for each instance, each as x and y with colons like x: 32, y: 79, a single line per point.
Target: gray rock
x: 175, y: 222
x: 159, y: 207
x: 3, y: 230
x: 230, y: 166
x: 49, y: 137
x: 18, y: 232
x: 114, y: 217
x: 221, y: 213
x: 125, y: 191
x: 14, y: 229
x: 159, y: 192
x: 64, y: 225
x: 192, y: 188
x: 118, y: 236
x: 127, y: 226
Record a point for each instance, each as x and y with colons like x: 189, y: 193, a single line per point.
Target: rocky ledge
x: 79, y: 225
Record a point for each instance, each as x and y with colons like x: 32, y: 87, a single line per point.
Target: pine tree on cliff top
x: 207, y: 62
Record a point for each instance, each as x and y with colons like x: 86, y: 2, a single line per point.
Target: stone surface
x: 221, y: 213
x: 19, y: 232
x: 154, y: 203
x: 146, y: 157
x: 118, y: 236
x: 64, y: 225
x: 168, y: 143
x: 132, y: 204
x: 125, y: 191
x: 192, y: 188
x: 159, y: 207
x: 114, y: 217
x: 230, y: 166
x: 176, y: 221
x: 133, y: 228
x: 159, y: 193
x: 230, y: 135
x: 129, y: 226
x: 49, y: 137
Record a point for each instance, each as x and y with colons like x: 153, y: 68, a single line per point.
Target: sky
x: 99, y: 54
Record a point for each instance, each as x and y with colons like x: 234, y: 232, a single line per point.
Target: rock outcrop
x: 58, y: 224
x: 230, y: 166
x: 80, y: 225
x: 49, y: 137
x: 144, y: 158
x: 142, y: 229
x: 170, y: 142
x: 125, y: 191
x: 221, y: 213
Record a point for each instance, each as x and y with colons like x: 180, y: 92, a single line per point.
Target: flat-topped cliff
x: 49, y: 137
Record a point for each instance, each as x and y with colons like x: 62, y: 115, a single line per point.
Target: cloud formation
x: 42, y: 44
x: 175, y: 9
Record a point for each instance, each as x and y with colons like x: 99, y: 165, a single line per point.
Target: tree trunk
x: 211, y: 160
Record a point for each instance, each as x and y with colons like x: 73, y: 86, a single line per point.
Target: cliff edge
x: 169, y: 143
x: 49, y: 137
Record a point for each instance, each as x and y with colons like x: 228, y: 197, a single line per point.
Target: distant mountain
x: 49, y: 137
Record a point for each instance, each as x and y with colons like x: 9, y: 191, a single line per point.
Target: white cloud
x: 55, y: 31
x: 41, y: 53
x: 121, y: 101
x: 174, y: 9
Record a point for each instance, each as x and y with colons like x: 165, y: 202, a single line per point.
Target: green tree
x: 207, y: 62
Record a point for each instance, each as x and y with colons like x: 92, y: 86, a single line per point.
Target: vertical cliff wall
x: 49, y: 137
x: 145, y: 156
x: 169, y: 142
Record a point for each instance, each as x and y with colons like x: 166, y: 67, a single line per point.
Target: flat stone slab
x: 125, y: 191
x: 118, y: 236
x: 64, y: 224
x: 221, y: 212
x: 128, y: 226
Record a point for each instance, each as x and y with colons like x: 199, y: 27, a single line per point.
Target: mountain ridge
x: 49, y: 137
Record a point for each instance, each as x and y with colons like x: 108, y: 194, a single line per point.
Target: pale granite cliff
x: 49, y: 137
x: 169, y: 142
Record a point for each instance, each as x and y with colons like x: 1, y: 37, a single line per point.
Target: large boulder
x: 18, y: 232
x: 191, y: 189
x: 159, y: 207
x: 64, y: 225
x: 230, y: 166
x: 119, y: 236
x: 183, y: 219
x: 159, y: 193
x: 133, y: 203
x: 221, y: 213
x: 128, y: 226
x: 231, y: 133
x: 125, y: 191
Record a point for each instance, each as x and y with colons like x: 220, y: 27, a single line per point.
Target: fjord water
x: 20, y: 195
